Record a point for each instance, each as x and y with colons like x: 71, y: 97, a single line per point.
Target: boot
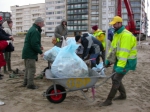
x: 5, y: 71
x: 9, y: 65
x: 111, y: 95
x: 122, y: 91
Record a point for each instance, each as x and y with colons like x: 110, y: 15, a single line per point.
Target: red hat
x: 1, y: 18
x: 95, y: 27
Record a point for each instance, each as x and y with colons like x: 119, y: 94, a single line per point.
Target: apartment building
x: 138, y: 8
x: 5, y: 15
x: 55, y: 12
x: 112, y: 7
x: 77, y: 16
x: 24, y: 16
x: 83, y: 14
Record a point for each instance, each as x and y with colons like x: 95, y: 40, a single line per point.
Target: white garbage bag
x: 51, y: 54
x: 68, y: 64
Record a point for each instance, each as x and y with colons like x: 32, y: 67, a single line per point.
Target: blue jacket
x: 110, y: 34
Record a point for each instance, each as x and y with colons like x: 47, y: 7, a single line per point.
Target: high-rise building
x: 77, y: 15
x: 5, y: 15
x: 55, y: 12
x: 112, y: 7
x: 24, y: 16
x: 138, y: 8
x: 83, y: 14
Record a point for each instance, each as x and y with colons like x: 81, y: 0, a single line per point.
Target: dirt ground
x: 21, y: 99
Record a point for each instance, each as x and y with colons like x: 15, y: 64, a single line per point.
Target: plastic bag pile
x: 68, y: 64
x: 99, y: 68
x: 51, y: 54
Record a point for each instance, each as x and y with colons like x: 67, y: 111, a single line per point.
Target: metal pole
x: 147, y: 20
x: 140, y: 24
x: 106, y: 40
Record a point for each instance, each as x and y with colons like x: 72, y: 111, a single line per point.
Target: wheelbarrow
x: 57, y: 92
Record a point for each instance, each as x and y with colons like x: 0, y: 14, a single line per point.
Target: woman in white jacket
x: 7, y: 25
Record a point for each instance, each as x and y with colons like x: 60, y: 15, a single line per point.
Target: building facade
x: 24, y: 16
x: 83, y: 14
x: 5, y: 15
x: 77, y: 16
x: 112, y: 4
x: 138, y: 8
x: 55, y: 12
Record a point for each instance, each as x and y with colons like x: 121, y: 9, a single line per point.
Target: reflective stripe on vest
x: 57, y: 39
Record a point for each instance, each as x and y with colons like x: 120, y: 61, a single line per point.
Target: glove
x: 107, y: 63
x: 8, y: 42
x: 120, y: 70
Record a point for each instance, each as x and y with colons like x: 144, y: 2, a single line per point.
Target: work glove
x: 120, y: 70
x: 8, y: 42
x: 107, y: 63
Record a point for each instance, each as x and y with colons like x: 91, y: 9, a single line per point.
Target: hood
x: 5, y: 24
x: 63, y: 21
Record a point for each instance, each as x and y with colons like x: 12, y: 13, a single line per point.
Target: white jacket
x: 7, y: 29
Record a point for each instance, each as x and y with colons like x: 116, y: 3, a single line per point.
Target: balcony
x: 76, y: 13
x: 78, y: 7
x: 78, y: 29
x: 77, y: 2
x: 81, y: 18
x: 77, y: 24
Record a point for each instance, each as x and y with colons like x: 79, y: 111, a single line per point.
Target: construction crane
x: 131, y: 22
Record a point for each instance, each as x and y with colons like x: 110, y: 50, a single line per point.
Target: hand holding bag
x: 54, y: 40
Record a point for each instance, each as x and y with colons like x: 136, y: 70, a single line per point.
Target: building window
x: 49, y: 23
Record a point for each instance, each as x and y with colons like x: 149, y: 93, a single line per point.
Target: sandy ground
x: 21, y: 99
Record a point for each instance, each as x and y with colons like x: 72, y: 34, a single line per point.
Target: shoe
x: 23, y: 85
x: 106, y: 103
x: 120, y: 97
x: 85, y: 90
x: 32, y: 87
x: 1, y: 75
x: 1, y: 103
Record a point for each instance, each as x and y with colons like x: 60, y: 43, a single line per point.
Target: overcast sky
x: 5, y: 4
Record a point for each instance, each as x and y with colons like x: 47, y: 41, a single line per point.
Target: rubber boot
x: 9, y: 65
x: 111, y: 95
x: 5, y: 71
x: 122, y: 91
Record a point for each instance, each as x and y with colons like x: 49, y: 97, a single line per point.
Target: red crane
x: 131, y: 22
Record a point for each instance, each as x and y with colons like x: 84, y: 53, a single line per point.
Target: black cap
x: 77, y: 38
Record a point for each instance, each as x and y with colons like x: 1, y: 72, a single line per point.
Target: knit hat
x: 77, y: 38
x: 38, y: 20
x: 1, y: 18
x: 95, y: 27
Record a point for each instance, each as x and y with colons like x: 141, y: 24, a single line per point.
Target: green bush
x: 21, y: 33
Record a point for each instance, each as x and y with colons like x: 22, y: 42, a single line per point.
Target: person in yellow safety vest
x: 125, y: 59
x: 99, y: 35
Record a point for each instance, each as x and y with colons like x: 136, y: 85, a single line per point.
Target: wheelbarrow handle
x: 107, y: 78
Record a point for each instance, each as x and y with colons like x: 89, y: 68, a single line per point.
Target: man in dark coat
x: 61, y: 32
x: 32, y: 47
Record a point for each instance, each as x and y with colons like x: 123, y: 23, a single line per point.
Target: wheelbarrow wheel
x: 56, y: 98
